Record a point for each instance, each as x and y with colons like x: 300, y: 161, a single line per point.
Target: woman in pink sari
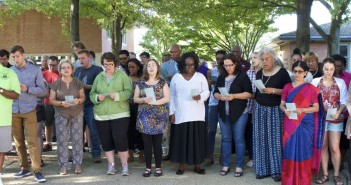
x: 302, y: 134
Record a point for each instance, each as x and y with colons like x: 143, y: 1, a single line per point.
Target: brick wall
x: 39, y: 34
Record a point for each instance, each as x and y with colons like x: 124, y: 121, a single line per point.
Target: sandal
x: 147, y: 173
x: 238, y: 174
x: 78, y: 170
x: 337, y: 180
x: 225, y: 172
x: 323, y: 179
x: 199, y: 171
x: 63, y: 171
x: 158, y: 172
x: 180, y: 172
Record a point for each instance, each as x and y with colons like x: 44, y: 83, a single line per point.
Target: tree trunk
x: 334, y: 38
x: 118, y: 38
x: 303, y: 11
x: 74, y: 20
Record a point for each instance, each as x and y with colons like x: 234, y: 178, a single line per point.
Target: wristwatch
x: 1, y: 90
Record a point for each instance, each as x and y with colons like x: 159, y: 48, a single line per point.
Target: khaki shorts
x: 5, y: 138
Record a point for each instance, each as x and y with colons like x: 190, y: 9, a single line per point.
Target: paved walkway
x: 96, y: 174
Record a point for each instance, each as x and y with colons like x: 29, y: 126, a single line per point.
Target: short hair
x: 84, y: 51
x: 221, y: 52
x: 4, y: 52
x: 146, y: 74
x: 311, y: 55
x: 78, y: 44
x: 123, y: 51
x: 166, y: 55
x: 92, y: 54
x: 181, y: 63
x: 110, y: 57
x: 138, y: 63
x: 16, y: 48
x: 145, y: 54
x: 270, y: 51
x: 132, y: 53
x: 235, y: 60
x: 54, y: 58
x: 301, y: 64
x: 68, y: 62
x: 339, y: 57
x: 44, y: 57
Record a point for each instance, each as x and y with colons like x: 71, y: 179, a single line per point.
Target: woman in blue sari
x: 303, y: 129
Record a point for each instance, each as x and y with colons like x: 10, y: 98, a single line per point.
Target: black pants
x: 134, y: 136
x: 248, y: 136
x: 155, y: 142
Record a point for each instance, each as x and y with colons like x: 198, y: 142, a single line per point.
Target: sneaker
x: 22, y: 173
x: 125, y: 171
x: 97, y: 159
x: 39, y: 177
x: 47, y: 147
x: 249, y: 164
x: 111, y: 169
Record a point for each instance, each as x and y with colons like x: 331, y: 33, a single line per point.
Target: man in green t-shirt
x: 9, y: 90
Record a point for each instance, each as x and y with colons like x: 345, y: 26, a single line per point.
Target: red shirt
x: 50, y: 77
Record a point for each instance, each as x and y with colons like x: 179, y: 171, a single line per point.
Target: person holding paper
x: 303, y: 135
x: 268, y: 118
x: 233, y: 88
x: 188, y: 141
x: 152, y: 113
x: 68, y: 116
x: 334, y: 94
x: 256, y: 65
x: 110, y: 95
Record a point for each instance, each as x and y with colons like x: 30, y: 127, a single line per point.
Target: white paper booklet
x: 330, y: 112
x: 194, y: 92
x: 150, y: 93
x: 291, y: 107
x: 259, y: 84
x: 223, y: 91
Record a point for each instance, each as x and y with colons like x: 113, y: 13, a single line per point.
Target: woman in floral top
x: 152, y: 113
x: 334, y: 95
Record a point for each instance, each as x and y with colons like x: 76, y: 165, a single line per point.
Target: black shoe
x: 261, y: 176
x: 276, y: 178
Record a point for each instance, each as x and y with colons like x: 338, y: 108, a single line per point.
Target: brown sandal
x: 337, y: 180
x: 323, y: 179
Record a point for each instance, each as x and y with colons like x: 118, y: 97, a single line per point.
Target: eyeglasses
x: 109, y: 64
x: 298, y: 71
x: 266, y: 59
x: 65, y: 68
x: 229, y: 65
x: 189, y: 65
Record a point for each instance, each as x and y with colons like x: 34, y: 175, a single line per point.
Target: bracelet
x: 273, y: 91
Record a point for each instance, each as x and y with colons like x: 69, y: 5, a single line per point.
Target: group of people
x: 287, y: 119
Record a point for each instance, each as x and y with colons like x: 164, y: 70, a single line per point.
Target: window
x: 344, y: 51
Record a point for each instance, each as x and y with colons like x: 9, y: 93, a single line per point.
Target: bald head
x: 237, y: 50
x: 175, y: 52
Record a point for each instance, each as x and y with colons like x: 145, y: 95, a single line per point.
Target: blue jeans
x: 94, y: 134
x: 212, y: 125
x: 237, y: 131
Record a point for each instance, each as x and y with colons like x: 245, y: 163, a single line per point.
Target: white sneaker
x: 125, y: 171
x: 0, y: 181
x: 111, y: 169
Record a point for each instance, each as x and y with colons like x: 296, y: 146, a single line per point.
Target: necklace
x: 314, y: 72
x: 268, y: 77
